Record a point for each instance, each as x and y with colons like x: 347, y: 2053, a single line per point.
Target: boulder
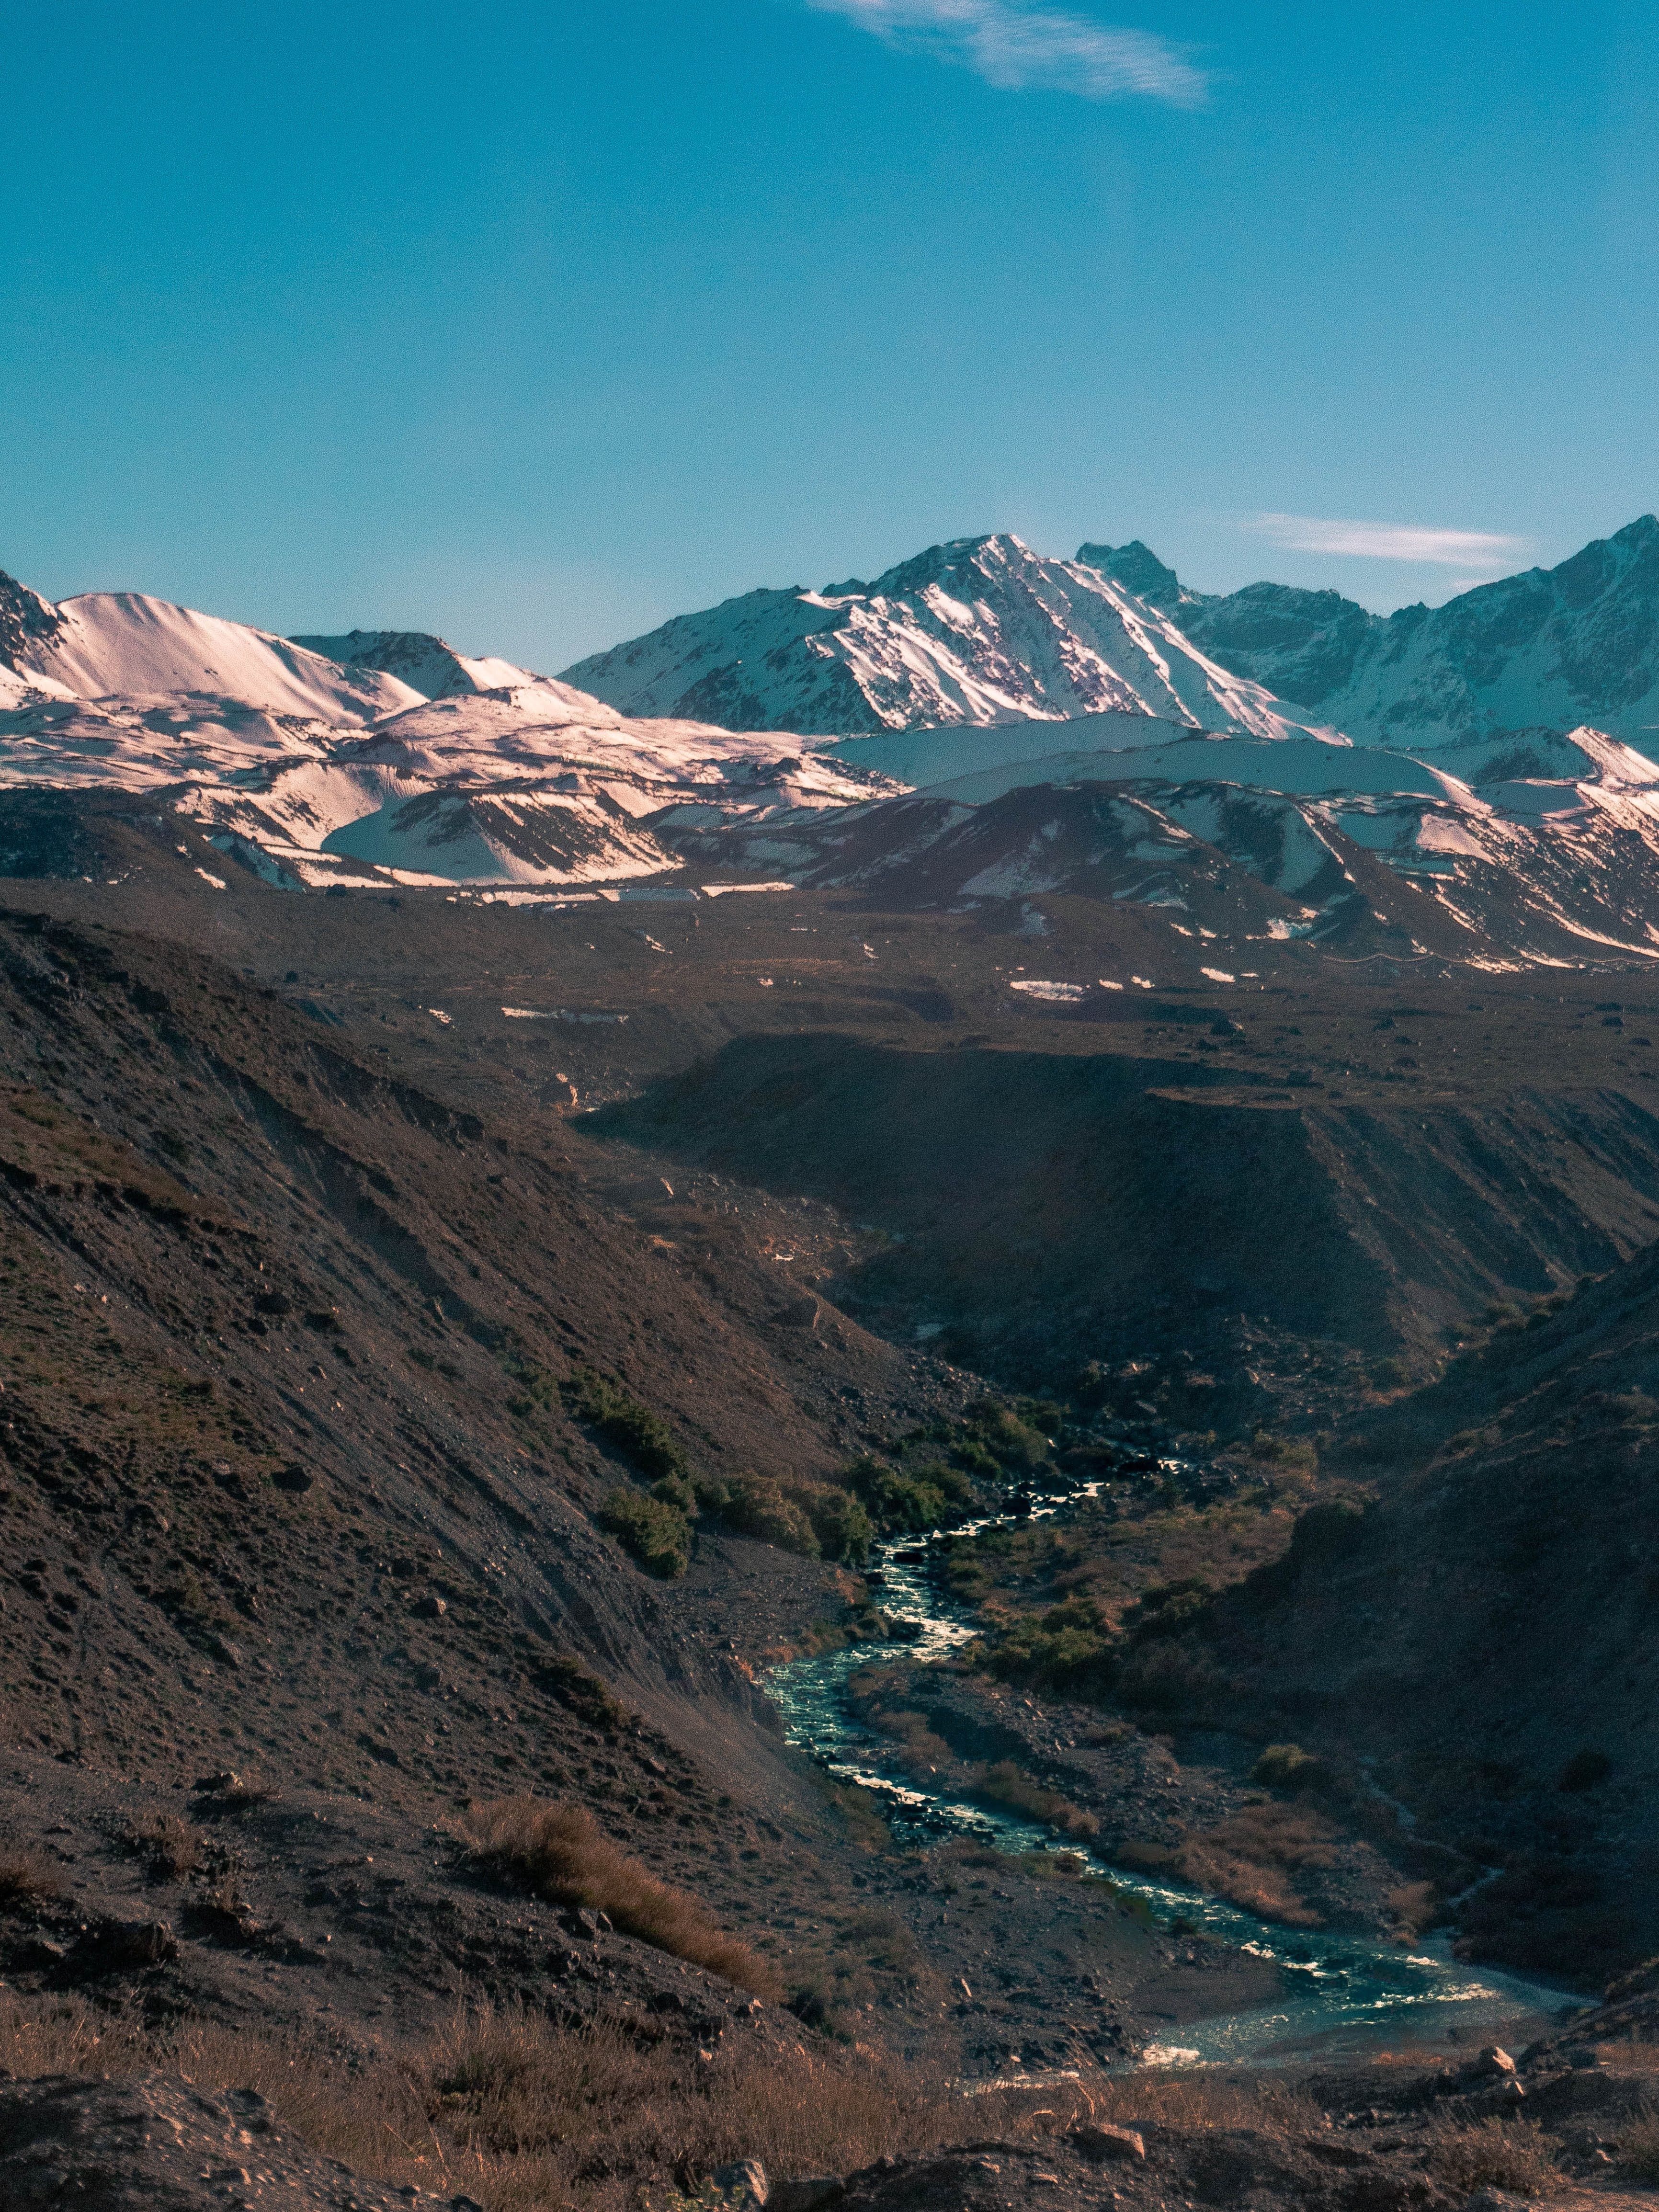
x: 1100, y: 2142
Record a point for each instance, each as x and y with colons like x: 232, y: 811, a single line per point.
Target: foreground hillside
x: 335, y: 1325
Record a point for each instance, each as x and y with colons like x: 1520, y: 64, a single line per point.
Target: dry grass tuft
x: 1638, y: 2149
x: 174, y: 1847
x: 1198, y: 2099
x: 562, y: 1853
x: 1514, y: 2154
x: 524, y: 2116
x: 27, y: 1875
x: 1255, y: 1858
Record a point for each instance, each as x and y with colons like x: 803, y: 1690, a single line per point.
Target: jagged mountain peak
x: 995, y: 549
x: 26, y: 621
x: 973, y: 630
x: 1137, y: 568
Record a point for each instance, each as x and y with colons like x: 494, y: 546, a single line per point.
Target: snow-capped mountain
x: 982, y: 630
x: 1552, y: 647
x: 1043, y: 776
x: 536, y: 784
x: 121, y: 644
x: 1538, y: 847
x: 314, y: 772
x: 427, y: 665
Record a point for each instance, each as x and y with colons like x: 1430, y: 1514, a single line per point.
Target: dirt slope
x: 286, y: 1475
x: 1040, y: 1207
x: 1489, y: 1631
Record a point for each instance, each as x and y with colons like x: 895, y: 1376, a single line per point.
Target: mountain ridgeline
x: 932, y: 639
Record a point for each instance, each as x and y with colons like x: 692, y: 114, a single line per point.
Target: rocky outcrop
x: 158, y: 2144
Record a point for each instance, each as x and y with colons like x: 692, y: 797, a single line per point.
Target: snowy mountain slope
x: 1301, y: 645
x: 1556, y: 647
x: 979, y: 631
x: 28, y: 625
x: 1313, y: 767
x: 535, y: 784
x: 121, y: 644
x: 927, y: 756
x: 144, y: 744
x: 1534, y: 847
x: 1559, y: 647
x: 1542, y: 841
x: 426, y: 664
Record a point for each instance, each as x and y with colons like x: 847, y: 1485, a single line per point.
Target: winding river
x: 1337, y: 1992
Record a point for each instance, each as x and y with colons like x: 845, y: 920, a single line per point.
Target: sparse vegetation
x: 174, y: 1848
x: 651, y: 1529
x: 1639, y: 2149
x: 878, y: 1694
x: 1255, y: 1857
x: 1004, y: 1784
x: 27, y: 1875
x: 1287, y: 1766
x: 1507, y: 2155
x: 518, y: 2114
x: 563, y: 1853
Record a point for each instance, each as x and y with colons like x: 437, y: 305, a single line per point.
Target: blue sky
x: 536, y: 323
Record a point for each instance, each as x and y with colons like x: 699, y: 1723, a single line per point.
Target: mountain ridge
x: 975, y: 630
x: 1546, y: 647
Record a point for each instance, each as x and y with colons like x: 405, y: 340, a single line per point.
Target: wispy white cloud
x: 1388, y: 541
x: 1017, y: 46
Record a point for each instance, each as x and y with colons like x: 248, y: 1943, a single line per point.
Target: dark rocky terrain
x: 305, y: 1562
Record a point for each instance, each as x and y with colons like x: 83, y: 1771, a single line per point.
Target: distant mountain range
x: 1484, y: 761
x: 983, y: 631
x: 1552, y: 648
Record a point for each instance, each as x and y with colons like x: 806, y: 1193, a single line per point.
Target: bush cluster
x: 1069, y: 1648
x: 930, y: 1479
x: 1287, y: 1766
x: 639, y: 1434
x: 902, y: 1501
x: 1165, y: 1609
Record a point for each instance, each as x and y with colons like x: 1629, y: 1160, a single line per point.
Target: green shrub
x: 635, y: 1431
x: 1289, y: 1452
x: 1167, y: 1609
x: 1068, y: 1647
x: 843, y: 1528
x: 651, y: 1530
x: 1287, y: 1766
x: 972, y: 1456
x: 1007, y: 1439
x: 758, y: 1507
x: 909, y: 1502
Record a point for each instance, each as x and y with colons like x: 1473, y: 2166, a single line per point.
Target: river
x: 1338, y: 1993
